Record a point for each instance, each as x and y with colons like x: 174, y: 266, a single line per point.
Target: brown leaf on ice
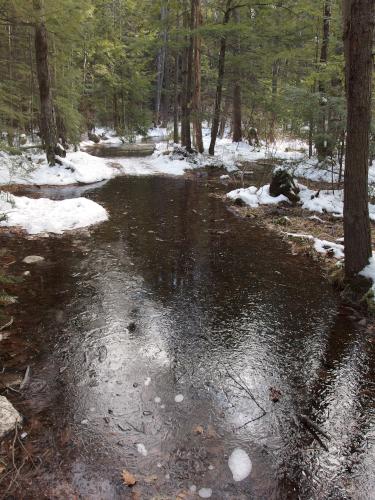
x: 198, y: 429
x: 128, y: 478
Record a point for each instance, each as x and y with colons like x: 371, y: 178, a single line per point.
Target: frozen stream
x: 156, y: 342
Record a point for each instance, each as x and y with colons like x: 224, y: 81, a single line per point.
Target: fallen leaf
x: 128, y: 478
x: 151, y: 479
x: 275, y: 394
x: 198, y: 429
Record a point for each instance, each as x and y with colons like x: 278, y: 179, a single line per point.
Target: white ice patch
x: 179, y: 398
x: 147, y: 381
x: 48, y: 216
x: 141, y: 448
x: 157, y: 400
x: 205, y: 492
x: 240, y: 464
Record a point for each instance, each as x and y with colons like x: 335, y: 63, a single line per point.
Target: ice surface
x: 205, y: 492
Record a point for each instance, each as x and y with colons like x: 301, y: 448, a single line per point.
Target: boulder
x: 283, y: 183
x: 93, y: 137
x: 9, y: 416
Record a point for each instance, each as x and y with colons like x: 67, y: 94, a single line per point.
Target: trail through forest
x: 175, y: 333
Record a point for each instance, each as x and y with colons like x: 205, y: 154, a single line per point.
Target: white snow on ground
x: 78, y: 167
x: 322, y: 246
x: 240, y: 464
x: 369, y: 271
x: 179, y: 398
x: 141, y: 448
x: 47, y: 216
x: 309, y: 168
x: 325, y: 202
x: 254, y: 197
x: 152, y: 165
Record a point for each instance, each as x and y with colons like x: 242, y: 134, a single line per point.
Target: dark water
x: 174, y: 288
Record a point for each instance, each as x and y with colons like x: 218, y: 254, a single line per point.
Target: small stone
x: 9, y: 416
x: 33, y: 259
x: 362, y: 322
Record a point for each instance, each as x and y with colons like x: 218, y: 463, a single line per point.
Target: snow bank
x: 254, y: 197
x: 47, y: 216
x: 312, y: 170
x: 78, y: 167
x: 325, y: 202
x: 369, y: 271
x: 324, y: 247
x: 240, y: 464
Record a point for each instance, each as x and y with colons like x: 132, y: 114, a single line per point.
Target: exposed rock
x: 283, y: 183
x: 93, y: 137
x: 9, y: 416
x: 33, y: 259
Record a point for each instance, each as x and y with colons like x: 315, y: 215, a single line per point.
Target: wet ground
x: 174, y: 295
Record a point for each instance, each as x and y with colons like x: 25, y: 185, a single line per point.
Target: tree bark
x: 359, y: 20
x: 237, y: 97
x: 175, y: 99
x: 197, y: 104
x: 324, y: 126
x: 187, y: 86
x: 161, y: 64
x: 219, y: 86
x: 48, y: 129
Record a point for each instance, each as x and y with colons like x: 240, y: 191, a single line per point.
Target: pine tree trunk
x: 175, y: 100
x: 359, y: 19
x: 237, y: 97
x: 161, y: 64
x: 197, y: 105
x: 187, y: 77
x: 47, y: 113
x: 219, y: 86
x: 324, y: 127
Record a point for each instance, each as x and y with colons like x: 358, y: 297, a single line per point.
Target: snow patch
x: 141, y: 448
x: 240, y: 464
x: 179, y: 398
x: 47, y: 216
x: 369, y: 271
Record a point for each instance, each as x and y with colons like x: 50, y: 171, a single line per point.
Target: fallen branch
x: 310, y: 424
x: 7, y: 324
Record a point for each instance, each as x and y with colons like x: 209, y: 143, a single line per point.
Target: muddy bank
x: 176, y: 296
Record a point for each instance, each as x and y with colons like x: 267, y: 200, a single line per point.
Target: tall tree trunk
x: 161, y: 63
x: 275, y: 84
x: 175, y: 99
x: 237, y: 97
x: 48, y: 130
x: 359, y: 20
x: 219, y: 86
x: 187, y: 77
x: 322, y: 147
x: 197, y: 104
